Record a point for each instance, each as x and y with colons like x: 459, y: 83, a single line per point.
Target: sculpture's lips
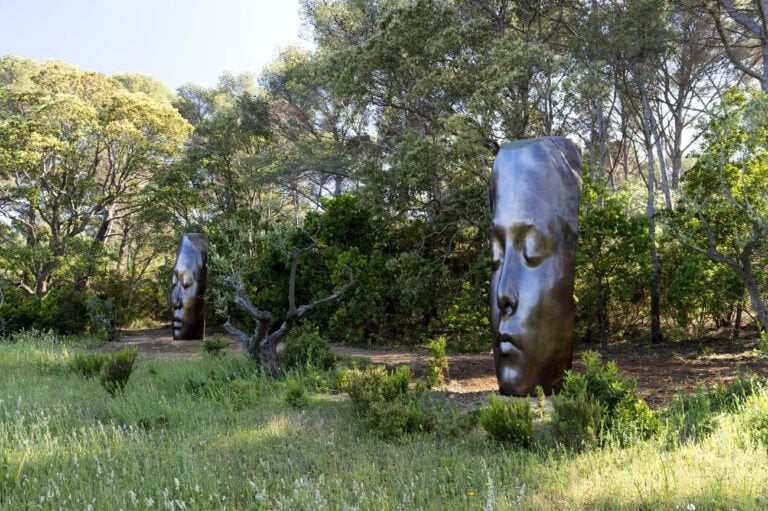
x: 508, y: 348
x: 176, y: 324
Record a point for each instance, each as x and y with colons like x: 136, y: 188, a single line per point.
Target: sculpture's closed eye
x: 187, y: 280
x: 497, y: 253
x: 536, y: 248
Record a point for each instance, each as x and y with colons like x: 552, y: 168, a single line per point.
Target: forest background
x: 376, y: 147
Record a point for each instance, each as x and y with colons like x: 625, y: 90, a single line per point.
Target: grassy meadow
x: 214, y: 433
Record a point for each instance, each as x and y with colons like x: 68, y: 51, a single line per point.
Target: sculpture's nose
x: 176, y: 297
x: 507, y: 303
x: 507, y: 291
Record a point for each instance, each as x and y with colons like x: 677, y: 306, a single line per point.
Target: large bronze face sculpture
x: 535, y: 190
x: 189, y: 280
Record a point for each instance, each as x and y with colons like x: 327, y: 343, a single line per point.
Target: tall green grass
x: 214, y: 433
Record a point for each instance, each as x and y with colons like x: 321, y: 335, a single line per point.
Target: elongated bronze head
x: 189, y: 281
x: 535, y: 190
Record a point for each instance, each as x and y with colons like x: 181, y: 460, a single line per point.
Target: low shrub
x: 375, y: 384
x: 388, y: 406
x: 88, y: 365
x: 508, y: 420
x: 214, y: 346
x: 296, y: 395
x: 577, y: 421
x: 118, y: 369
x: 622, y: 415
x: 437, y: 366
x: 392, y: 419
x: 306, y: 348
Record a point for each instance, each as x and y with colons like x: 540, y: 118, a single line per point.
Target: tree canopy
x: 375, y: 148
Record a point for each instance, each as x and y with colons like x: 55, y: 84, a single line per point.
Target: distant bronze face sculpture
x: 535, y: 190
x: 189, y: 280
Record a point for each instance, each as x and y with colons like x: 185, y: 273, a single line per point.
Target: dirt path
x: 661, y: 371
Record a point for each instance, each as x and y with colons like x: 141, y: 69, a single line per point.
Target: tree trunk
x: 755, y: 298
x: 602, y: 321
x: 737, y: 323
x: 655, y: 306
x: 602, y: 149
x: 261, y: 345
x: 656, y: 135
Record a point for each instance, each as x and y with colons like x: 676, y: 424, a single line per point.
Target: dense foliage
x: 375, y: 148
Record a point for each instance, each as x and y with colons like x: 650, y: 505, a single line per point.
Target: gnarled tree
x: 262, y: 345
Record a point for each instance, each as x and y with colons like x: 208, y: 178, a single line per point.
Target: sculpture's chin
x: 518, y: 377
x: 188, y: 333
x: 513, y: 380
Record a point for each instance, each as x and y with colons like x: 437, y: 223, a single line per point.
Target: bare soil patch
x: 660, y: 370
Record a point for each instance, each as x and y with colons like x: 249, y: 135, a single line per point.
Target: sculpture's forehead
x: 188, y: 259
x: 526, y: 190
x: 532, y: 180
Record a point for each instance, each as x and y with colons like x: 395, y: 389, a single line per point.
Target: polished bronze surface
x: 535, y: 190
x: 189, y: 280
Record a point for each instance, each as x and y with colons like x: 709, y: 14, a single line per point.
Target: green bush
x: 437, y: 366
x: 64, y: 309
x: 375, y: 384
x: 306, y: 348
x: 611, y: 257
x: 214, y: 346
x: 118, y: 369
x: 466, y: 317
x: 388, y: 406
x: 19, y: 311
x: 88, y: 365
x: 508, y: 420
x: 622, y: 416
x: 392, y: 419
x: 296, y: 395
x: 577, y: 421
